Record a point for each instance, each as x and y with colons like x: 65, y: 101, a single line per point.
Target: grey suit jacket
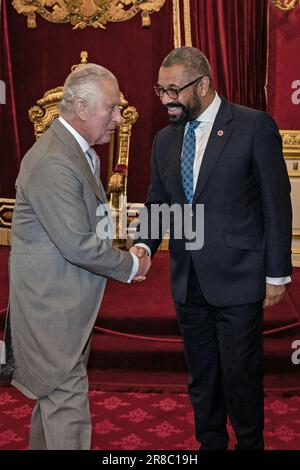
x: 58, y: 264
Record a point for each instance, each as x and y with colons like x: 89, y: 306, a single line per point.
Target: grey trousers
x: 61, y: 420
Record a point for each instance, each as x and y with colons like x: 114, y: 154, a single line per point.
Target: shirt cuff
x: 142, y: 245
x: 278, y: 281
x: 135, y: 268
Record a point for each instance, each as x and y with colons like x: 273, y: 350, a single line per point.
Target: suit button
x: 192, y: 213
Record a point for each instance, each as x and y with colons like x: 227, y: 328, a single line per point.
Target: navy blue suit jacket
x: 244, y: 186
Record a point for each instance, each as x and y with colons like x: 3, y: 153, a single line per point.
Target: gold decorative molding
x: 45, y: 111
x: 186, y: 9
x: 83, y: 59
x: 117, y: 184
x: 176, y: 24
x: 285, y: 5
x: 6, y: 212
x: 117, y: 180
x: 83, y: 13
x: 187, y: 22
x: 291, y: 151
x: 291, y: 143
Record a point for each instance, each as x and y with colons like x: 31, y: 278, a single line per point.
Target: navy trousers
x: 224, y: 354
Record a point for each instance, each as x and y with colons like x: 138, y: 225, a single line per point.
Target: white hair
x: 83, y: 82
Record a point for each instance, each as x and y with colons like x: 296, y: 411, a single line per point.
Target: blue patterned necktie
x: 187, y: 160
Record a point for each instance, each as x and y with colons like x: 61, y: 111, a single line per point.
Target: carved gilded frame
x: 291, y: 151
x: 83, y: 13
x: 286, y: 5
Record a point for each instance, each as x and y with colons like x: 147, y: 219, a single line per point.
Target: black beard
x: 189, y: 112
x: 177, y: 119
x: 194, y: 110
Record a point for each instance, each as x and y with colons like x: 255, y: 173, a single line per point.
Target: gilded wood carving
x: 285, y: 5
x: 83, y: 13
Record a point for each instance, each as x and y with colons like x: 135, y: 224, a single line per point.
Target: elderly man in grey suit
x: 60, y: 260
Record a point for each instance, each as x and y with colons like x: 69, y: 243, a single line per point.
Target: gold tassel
x: 146, y: 22
x: 31, y: 21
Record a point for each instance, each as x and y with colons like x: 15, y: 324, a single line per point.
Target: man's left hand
x: 274, y: 294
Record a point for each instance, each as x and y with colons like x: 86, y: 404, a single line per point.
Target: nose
x: 165, y: 99
x: 118, y: 118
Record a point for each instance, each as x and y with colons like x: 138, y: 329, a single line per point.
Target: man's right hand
x: 144, y: 262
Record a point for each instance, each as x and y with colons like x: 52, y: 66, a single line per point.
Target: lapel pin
x: 220, y: 133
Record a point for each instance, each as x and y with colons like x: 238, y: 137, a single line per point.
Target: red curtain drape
x: 284, y: 67
x: 233, y: 35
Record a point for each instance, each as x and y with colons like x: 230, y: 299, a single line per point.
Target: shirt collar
x: 81, y: 141
x: 209, y: 115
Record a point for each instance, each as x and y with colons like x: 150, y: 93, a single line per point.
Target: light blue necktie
x: 95, y: 163
x: 187, y: 160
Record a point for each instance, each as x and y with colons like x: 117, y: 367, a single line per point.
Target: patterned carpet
x: 125, y: 359
x: 146, y: 421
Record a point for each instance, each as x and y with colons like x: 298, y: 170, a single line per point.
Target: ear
x: 203, y: 86
x: 81, y: 109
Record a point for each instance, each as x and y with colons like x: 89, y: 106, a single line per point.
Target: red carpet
x: 135, y: 362
x: 141, y: 421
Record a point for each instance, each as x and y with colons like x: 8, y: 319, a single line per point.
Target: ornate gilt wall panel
x: 291, y: 150
x: 286, y: 5
x: 83, y: 13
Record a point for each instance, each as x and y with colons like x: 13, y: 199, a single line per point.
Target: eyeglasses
x: 173, y: 93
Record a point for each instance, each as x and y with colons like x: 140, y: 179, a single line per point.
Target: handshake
x: 144, y: 262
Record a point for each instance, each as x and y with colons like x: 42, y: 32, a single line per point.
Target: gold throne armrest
x: 117, y: 182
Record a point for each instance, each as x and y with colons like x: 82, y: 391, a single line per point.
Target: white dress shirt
x: 202, y: 133
x: 84, y: 147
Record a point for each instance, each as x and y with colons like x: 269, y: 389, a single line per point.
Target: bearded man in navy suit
x: 227, y: 159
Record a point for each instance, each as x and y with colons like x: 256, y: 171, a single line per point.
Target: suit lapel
x: 75, y: 153
x: 87, y: 172
x: 218, y: 138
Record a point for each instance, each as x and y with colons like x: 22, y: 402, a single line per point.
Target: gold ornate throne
x: 42, y: 115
